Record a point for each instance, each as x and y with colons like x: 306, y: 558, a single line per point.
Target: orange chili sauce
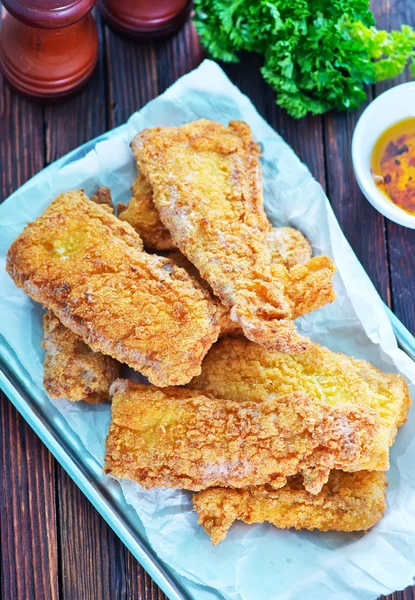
x: 393, y: 164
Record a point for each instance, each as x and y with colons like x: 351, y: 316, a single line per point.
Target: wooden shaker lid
x: 146, y: 18
x: 49, y: 14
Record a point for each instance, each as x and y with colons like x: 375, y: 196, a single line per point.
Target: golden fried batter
x: 184, y: 439
x: 72, y: 369
x: 347, y: 502
x: 143, y: 216
x: 239, y: 370
x: 309, y: 287
x: 206, y: 185
x: 227, y: 326
x: 288, y: 246
x: 89, y: 269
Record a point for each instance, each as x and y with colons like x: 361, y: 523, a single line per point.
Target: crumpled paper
x: 260, y: 561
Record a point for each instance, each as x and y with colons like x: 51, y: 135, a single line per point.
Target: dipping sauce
x: 393, y: 164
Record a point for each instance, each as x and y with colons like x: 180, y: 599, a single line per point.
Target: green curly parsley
x: 318, y: 54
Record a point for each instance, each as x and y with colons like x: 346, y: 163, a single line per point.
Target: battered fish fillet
x: 206, y: 185
x: 143, y: 216
x: 227, y: 326
x: 72, y: 369
x: 89, y: 268
x: 180, y: 438
x: 288, y: 245
x: 347, y: 502
x: 306, y: 288
x: 239, y: 370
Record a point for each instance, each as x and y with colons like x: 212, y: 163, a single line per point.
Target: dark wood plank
x: 29, y: 549
x: 177, y: 55
x: 92, y: 558
x: 363, y: 226
x: 401, y: 240
x: 139, y: 585
x: 73, y: 122
x: 132, y: 76
x: 21, y: 140
x: 138, y: 72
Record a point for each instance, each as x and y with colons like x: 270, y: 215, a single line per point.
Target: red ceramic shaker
x: 48, y: 48
x: 146, y: 18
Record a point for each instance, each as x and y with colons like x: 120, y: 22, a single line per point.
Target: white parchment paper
x: 255, y: 562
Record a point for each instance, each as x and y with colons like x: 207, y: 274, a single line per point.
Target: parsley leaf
x: 318, y: 54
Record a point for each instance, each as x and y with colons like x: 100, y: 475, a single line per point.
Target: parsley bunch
x: 318, y: 54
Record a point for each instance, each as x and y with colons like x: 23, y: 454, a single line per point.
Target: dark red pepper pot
x: 48, y: 48
x: 146, y: 18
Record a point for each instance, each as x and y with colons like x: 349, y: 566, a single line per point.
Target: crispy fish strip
x: 88, y: 268
x: 347, y: 502
x: 206, y: 185
x: 288, y: 245
x: 227, y: 326
x: 72, y: 369
x: 144, y: 217
x: 183, y: 439
x: 239, y: 370
x: 309, y: 288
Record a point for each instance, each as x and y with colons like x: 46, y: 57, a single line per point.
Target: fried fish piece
x: 206, y: 184
x: 180, y: 438
x: 288, y: 246
x: 347, y: 502
x: 89, y: 268
x: 239, y: 370
x: 72, y: 369
x: 143, y: 216
x: 306, y: 288
x: 227, y: 326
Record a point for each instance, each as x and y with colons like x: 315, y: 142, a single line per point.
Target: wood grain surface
x: 54, y: 545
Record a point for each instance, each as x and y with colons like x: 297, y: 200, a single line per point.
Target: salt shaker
x: 146, y: 18
x: 48, y: 48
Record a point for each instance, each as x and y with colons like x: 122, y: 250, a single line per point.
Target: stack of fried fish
x: 263, y: 425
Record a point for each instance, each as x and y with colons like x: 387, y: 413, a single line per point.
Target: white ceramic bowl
x: 393, y: 105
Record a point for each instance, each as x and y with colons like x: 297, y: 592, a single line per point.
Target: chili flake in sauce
x: 393, y: 164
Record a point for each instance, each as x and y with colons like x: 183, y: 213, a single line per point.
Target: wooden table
x: 54, y: 545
